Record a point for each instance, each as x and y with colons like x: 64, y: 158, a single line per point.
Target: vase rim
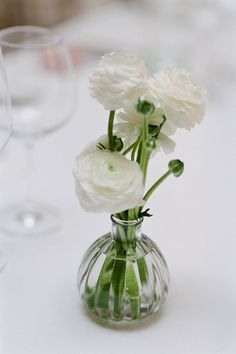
x: 118, y: 221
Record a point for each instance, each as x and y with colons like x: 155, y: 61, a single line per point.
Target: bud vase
x: 123, y: 275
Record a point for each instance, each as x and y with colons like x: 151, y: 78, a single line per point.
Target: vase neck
x: 125, y: 231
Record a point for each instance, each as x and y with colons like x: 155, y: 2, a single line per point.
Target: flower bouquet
x: 123, y: 275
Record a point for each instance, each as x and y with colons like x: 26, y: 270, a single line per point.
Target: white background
x: 193, y: 224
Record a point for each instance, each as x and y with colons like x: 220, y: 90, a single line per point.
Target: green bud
x: 176, y: 167
x: 145, y: 107
x: 118, y: 143
x: 150, y: 144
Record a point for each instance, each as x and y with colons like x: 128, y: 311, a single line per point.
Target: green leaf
x: 145, y: 213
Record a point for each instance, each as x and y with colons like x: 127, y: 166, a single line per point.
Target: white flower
x: 135, y: 118
x: 119, y: 77
x: 93, y: 145
x: 127, y: 133
x: 131, y: 123
x: 180, y: 96
x: 106, y: 181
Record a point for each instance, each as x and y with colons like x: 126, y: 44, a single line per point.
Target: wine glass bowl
x: 41, y: 91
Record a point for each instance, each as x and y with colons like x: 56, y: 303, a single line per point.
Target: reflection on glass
x: 5, y: 113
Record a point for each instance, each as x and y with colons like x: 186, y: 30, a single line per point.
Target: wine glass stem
x: 29, y: 151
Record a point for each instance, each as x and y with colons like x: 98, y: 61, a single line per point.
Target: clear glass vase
x: 123, y: 275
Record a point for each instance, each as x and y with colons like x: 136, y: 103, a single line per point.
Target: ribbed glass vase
x: 123, y: 275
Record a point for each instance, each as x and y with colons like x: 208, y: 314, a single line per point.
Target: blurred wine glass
x: 42, y: 91
x: 5, y: 122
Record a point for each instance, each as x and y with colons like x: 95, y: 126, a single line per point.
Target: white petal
x: 167, y: 144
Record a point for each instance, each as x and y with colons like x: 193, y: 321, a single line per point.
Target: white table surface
x: 193, y: 224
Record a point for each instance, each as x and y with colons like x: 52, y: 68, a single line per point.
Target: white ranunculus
x: 132, y: 116
x: 128, y: 134
x: 106, y: 181
x: 163, y: 142
x: 119, y: 77
x: 180, y: 96
x: 131, y: 123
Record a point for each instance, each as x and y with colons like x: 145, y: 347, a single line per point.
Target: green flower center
x: 111, y: 167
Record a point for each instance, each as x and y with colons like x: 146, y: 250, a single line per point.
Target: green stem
x: 118, y: 282
x: 145, y: 165
x: 139, y: 152
x: 130, y: 229
x: 143, y: 271
x: 132, y: 290
x: 129, y: 149
x: 133, y: 147
x: 110, y: 130
x: 102, y: 290
x: 138, y: 141
x: 131, y: 215
x: 121, y: 215
x: 156, y: 184
x: 144, y: 154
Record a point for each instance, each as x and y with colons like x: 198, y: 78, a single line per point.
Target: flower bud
x: 150, y: 144
x: 145, y: 107
x: 176, y: 167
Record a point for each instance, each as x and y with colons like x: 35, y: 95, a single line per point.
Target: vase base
x: 150, y: 318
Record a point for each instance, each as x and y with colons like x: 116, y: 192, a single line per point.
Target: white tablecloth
x: 193, y: 224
